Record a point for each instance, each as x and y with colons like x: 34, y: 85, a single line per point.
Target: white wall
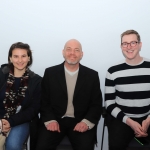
x: 47, y: 24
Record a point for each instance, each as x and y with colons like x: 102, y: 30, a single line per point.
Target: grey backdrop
x: 47, y: 24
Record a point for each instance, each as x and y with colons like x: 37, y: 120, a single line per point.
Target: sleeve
x: 94, y: 113
x: 46, y: 109
x: 110, y: 99
x: 48, y: 122
x: 28, y: 112
x: 88, y: 123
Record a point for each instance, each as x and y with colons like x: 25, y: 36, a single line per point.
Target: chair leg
x: 103, y: 134
x: 25, y: 146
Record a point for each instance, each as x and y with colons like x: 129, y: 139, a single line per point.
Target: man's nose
x: 129, y: 46
x: 72, y: 51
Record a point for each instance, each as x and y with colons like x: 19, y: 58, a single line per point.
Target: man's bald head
x: 71, y: 41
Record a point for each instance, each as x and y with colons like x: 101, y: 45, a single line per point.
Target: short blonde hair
x: 131, y: 32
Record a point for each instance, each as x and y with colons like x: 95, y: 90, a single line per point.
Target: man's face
x: 72, y: 52
x: 132, y: 48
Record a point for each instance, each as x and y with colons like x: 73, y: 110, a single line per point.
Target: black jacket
x: 32, y: 105
x: 87, y: 100
x: 29, y: 111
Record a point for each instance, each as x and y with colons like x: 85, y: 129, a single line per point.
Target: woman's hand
x: 6, y: 126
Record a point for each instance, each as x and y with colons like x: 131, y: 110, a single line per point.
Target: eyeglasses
x: 132, y: 44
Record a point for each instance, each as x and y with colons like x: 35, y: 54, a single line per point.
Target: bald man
x: 71, y: 102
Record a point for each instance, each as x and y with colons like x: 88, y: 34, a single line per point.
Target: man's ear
x: 140, y: 44
x: 82, y: 53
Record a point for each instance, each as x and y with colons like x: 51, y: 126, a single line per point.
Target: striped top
x: 127, y: 90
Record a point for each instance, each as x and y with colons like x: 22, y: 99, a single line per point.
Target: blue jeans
x: 17, y: 137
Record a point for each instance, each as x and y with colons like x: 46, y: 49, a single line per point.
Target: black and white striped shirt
x: 127, y: 90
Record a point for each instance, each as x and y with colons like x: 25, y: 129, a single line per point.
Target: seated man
x: 71, y: 102
x: 127, y: 94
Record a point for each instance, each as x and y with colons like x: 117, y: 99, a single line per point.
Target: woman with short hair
x: 19, y: 96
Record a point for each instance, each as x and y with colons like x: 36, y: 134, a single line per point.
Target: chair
x: 25, y: 146
x: 104, y: 115
x: 64, y: 144
x: 133, y: 145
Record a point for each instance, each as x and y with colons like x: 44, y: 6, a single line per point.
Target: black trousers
x: 48, y: 140
x: 120, y: 134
